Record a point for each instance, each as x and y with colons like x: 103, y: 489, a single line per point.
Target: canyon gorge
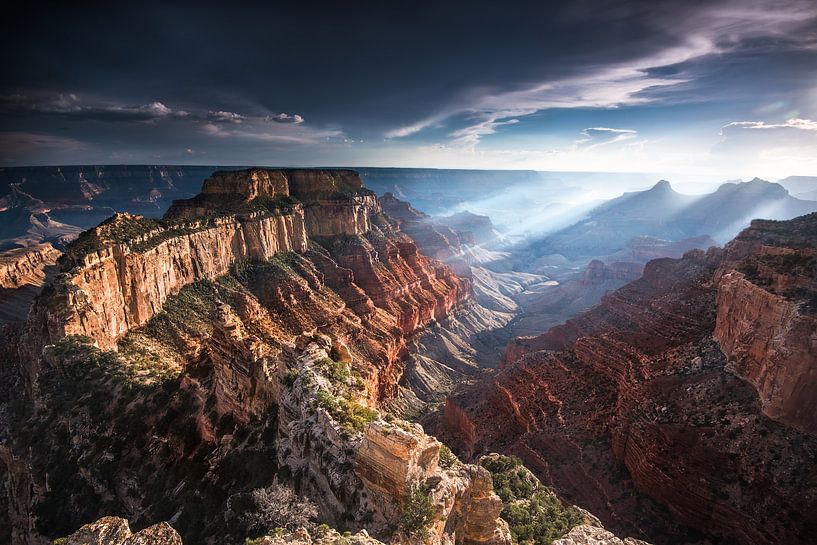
x: 288, y: 328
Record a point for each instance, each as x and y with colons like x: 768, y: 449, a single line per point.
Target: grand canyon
x: 444, y: 274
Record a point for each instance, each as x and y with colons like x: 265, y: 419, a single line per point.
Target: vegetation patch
x: 417, y: 512
x: 535, y: 515
x: 349, y: 413
x: 447, y: 458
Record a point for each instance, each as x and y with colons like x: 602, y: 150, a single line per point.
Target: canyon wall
x: 24, y: 266
x: 767, y: 317
x: 680, y: 403
x: 123, y: 281
x: 121, y: 286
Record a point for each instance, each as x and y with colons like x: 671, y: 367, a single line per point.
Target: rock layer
x: 120, y: 287
x: 635, y: 411
x: 242, y: 357
x: 116, y: 531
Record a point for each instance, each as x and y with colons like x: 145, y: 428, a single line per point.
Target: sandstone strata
x: 121, y: 286
x: 23, y: 272
x: 24, y: 266
x: 638, y: 409
x: 244, y: 358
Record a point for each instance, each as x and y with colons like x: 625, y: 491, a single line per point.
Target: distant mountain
x: 808, y: 196
x: 799, y: 184
x: 663, y: 213
x: 138, y: 189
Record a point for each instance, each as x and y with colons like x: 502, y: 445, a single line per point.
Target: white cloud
x: 225, y: 117
x: 289, y: 133
x: 710, y: 31
x: 470, y: 136
x: 285, y: 118
x: 791, y: 125
x: 602, y: 136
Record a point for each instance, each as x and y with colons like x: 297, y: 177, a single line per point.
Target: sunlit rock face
x: 683, y: 393
x: 116, y: 531
x: 121, y: 284
x: 240, y: 338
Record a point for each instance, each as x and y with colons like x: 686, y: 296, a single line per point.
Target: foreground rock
x: 593, y: 535
x: 115, y: 531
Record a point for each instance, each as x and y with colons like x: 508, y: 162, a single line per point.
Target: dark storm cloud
x: 360, y: 70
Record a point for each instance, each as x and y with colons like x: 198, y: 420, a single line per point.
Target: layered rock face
x: 24, y: 266
x: 246, y: 354
x: 766, y: 323
x: 335, y: 201
x: 122, y: 285
x: 131, y: 267
x: 638, y: 410
x: 23, y: 272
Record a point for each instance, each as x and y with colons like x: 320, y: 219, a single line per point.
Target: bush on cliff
x: 447, y: 458
x: 418, y: 512
x: 264, y: 509
x: 533, y: 512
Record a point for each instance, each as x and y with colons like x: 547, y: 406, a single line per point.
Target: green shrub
x: 337, y: 371
x: 417, y: 513
x: 533, y: 512
x: 325, y: 400
x: 355, y: 416
x: 349, y: 413
x: 447, y: 458
x: 290, y: 377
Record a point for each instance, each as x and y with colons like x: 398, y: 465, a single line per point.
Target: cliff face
x: 245, y: 353
x: 23, y: 272
x: 132, y: 266
x: 335, y: 201
x: 638, y: 409
x: 24, y: 266
x: 121, y: 286
x: 766, y: 323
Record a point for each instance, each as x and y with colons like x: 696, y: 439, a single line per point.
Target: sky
x: 720, y: 89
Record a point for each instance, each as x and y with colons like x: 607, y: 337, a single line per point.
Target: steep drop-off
x: 679, y: 403
x: 250, y: 349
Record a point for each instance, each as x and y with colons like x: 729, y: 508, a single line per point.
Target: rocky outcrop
x: 772, y: 345
x: 25, y: 266
x: 389, y: 459
x: 23, y: 272
x: 335, y: 201
x: 766, y: 323
x: 122, y: 285
x: 635, y: 409
x: 593, y: 535
x: 116, y: 531
x: 119, y: 275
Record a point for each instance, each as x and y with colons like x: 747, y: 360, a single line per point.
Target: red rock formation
x: 23, y: 272
x: 766, y: 322
x: 24, y: 266
x: 123, y: 285
x: 199, y: 385
x: 634, y: 412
